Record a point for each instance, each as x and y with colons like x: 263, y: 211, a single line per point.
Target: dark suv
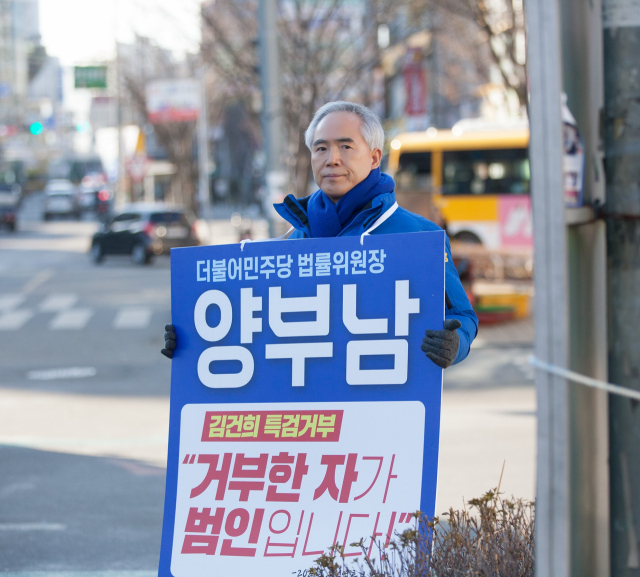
x: 143, y: 231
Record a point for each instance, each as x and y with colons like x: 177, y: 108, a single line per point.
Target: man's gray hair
x: 372, y: 131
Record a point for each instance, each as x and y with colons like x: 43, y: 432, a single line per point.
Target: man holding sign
x: 355, y: 198
x: 302, y: 412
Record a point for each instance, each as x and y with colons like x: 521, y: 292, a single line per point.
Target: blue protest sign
x: 303, y: 412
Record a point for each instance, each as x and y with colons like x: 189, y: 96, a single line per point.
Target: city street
x: 84, y: 405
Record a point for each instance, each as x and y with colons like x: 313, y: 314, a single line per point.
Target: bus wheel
x: 468, y: 237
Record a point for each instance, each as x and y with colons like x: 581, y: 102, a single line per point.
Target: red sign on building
x: 415, y: 84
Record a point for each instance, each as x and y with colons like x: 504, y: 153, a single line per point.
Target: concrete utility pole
x: 565, y: 55
x: 582, y: 78
x: 551, y: 318
x: 621, y: 22
x: 272, y: 124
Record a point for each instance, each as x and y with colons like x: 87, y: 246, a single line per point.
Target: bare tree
x: 324, y: 56
x: 502, y: 30
x: 329, y: 51
x: 143, y: 62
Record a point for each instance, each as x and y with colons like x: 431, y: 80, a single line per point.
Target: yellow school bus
x: 473, y: 182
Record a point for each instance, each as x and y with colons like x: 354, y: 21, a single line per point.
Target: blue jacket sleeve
x: 457, y: 306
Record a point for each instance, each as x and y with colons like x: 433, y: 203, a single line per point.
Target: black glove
x: 169, y: 341
x: 442, y: 346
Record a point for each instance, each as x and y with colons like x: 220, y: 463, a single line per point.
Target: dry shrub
x: 494, y: 537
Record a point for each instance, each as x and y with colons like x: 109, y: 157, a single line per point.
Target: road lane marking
x: 138, y: 469
x: 12, y: 301
x: 64, y: 373
x: 71, y: 320
x: 36, y: 281
x: 14, y: 320
x: 44, y: 443
x: 107, y: 573
x: 57, y: 302
x: 133, y: 318
x: 32, y: 527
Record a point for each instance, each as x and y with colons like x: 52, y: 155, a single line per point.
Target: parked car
x: 8, y: 209
x: 10, y: 196
x: 60, y: 199
x: 143, y: 231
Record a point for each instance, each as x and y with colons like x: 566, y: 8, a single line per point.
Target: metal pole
x: 203, y: 149
x: 121, y: 193
x: 621, y: 21
x: 271, y: 108
x: 551, y: 282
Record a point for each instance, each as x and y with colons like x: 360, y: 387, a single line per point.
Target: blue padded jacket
x: 457, y: 304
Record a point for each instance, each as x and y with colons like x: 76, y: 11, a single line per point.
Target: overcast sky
x: 83, y: 31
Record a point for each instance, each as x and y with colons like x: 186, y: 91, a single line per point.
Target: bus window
x: 414, y: 171
x: 499, y: 171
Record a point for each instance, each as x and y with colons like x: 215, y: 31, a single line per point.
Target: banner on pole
x: 303, y: 412
x: 173, y: 100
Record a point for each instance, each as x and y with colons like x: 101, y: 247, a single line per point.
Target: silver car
x: 60, y: 198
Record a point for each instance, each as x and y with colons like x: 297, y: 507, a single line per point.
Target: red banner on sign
x: 272, y: 426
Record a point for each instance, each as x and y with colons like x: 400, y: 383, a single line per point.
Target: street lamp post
x: 271, y: 108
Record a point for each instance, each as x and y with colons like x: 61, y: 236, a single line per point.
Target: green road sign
x: 90, y: 76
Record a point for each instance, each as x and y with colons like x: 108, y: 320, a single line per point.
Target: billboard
x: 174, y: 100
x: 303, y: 412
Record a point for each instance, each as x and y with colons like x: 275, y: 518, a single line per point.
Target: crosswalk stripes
x: 14, y: 320
x: 32, y: 527
x: 66, y: 315
x: 133, y: 318
x: 71, y: 319
x: 11, y: 301
x: 57, y: 302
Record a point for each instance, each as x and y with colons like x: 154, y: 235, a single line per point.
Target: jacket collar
x: 294, y: 211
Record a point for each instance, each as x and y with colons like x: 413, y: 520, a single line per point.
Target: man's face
x: 340, y: 158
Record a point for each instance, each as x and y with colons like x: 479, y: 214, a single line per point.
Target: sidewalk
x: 480, y: 431
x: 489, y: 418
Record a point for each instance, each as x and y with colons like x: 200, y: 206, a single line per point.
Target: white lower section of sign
x: 265, y: 489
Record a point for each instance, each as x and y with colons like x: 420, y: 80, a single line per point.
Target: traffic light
x: 36, y: 128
